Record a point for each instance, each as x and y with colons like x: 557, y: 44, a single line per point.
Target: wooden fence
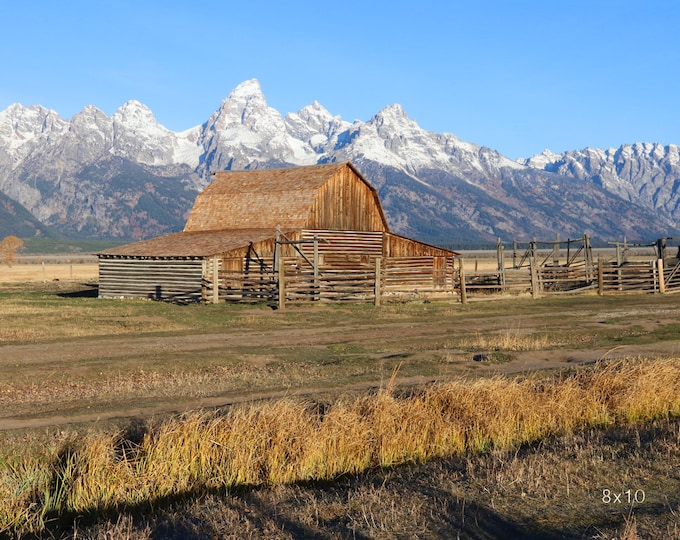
x: 336, y: 278
x: 606, y: 278
x: 361, y: 279
x: 365, y: 279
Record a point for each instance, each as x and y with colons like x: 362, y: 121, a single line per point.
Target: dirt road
x: 97, y: 379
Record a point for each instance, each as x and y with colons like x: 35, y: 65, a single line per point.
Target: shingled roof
x: 191, y: 243
x: 266, y: 198
x: 240, y: 207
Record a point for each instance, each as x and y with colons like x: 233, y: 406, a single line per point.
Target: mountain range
x: 126, y: 177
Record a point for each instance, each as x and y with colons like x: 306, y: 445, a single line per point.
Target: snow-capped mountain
x: 128, y: 177
x: 643, y: 173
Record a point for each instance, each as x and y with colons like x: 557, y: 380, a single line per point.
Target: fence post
x: 378, y: 271
x: 588, y: 252
x: 662, y: 283
x: 600, y: 276
x: 282, y: 284
x: 461, y: 278
x: 317, y: 292
x: 216, y: 280
x: 204, y: 281
x: 500, y: 254
x: 453, y: 275
x: 534, y: 278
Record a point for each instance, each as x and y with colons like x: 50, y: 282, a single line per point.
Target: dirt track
x: 405, y: 339
x: 305, y: 351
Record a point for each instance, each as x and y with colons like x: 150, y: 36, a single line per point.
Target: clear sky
x: 518, y: 76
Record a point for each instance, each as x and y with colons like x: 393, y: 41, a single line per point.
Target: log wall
x: 178, y: 280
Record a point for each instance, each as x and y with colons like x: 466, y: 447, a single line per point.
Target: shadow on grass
x: 355, y: 506
x: 86, y: 290
x: 445, y: 498
x: 262, y: 512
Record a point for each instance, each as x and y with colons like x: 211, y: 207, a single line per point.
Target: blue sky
x: 516, y: 76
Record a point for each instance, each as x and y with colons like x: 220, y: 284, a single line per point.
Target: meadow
x: 143, y: 419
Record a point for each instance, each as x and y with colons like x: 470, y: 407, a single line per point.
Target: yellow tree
x: 8, y: 249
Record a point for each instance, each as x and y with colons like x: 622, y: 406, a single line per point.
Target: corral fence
x: 569, y: 267
x: 336, y: 278
x: 535, y: 268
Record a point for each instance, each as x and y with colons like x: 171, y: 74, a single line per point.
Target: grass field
x: 64, y: 268
x: 86, y: 377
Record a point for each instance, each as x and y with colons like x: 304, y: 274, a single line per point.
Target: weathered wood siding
x: 347, y: 278
x: 368, y: 243
x: 400, y: 246
x: 177, y: 280
x: 347, y: 203
x: 418, y: 277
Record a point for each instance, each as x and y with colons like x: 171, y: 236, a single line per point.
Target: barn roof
x: 240, y: 207
x: 192, y: 243
x: 266, y: 198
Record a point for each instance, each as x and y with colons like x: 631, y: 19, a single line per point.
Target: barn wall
x: 265, y: 248
x: 369, y: 243
x: 345, y: 202
x: 352, y: 244
x: 399, y: 246
x: 158, y: 279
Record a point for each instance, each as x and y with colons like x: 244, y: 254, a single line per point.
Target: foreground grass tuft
x: 288, y: 440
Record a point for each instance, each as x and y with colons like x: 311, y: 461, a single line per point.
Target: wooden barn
x: 305, y: 233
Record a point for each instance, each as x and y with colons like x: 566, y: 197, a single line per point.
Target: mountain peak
x: 248, y: 94
x: 134, y: 113
x: 315, y: 108
x: 393, y: 117
x: 316, y: 113
x: 392, y: 111
x: 90, y: 110
x: 247, y: 88
x: 247, y: 106
x: 21, y: 127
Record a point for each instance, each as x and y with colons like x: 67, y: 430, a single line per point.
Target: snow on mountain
x: 137, y: 136
x: 127, y: 176
x: 644, y: 173
x: 540, y: 161
x: 23, y: 128
x: 245, y: 130
x: 315, y: 125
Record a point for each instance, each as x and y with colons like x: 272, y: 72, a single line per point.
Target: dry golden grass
x: 27, y: 320
x: 288, y: 440
x: 48, y: 272
x: 509, y: 340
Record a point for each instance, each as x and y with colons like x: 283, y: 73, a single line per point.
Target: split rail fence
x: 338, y: 279
x: 567, y: 268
